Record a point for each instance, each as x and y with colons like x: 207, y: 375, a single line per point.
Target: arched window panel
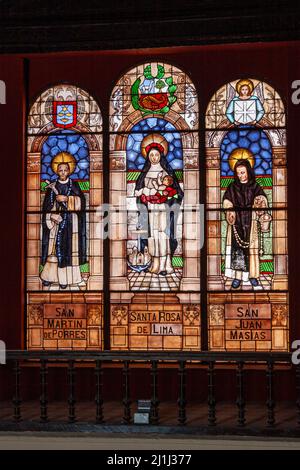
x: 154, y: 88
x: 64, y: 107
x: 247, y: 218
x: 64, y: 246
x: 155, y: 236
x: 245, y: 102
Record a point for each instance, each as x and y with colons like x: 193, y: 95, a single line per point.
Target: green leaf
x: 147, y: 72
x: 172, y: 88
x: 172, y: 100
x: 160, y: 84
x: 84, y: 268
x: 145, y: 111
x: 169, y: 80
x: 165, y: 110
x: 160, y: 71
x: 135, y: 94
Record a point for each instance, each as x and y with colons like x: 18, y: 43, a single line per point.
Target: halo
x: 154, y: 139
x: 244, y: 82
x: 240, y: 154
x: 63, y: 157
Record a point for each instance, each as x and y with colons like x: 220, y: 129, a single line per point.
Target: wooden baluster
x: 181, y: 400
x: 270, y: 395
x: 298, y: 393
x: 240, y: 401
x: 154, y: 418
x: 44, y: 395
x: 211, y: 395
x: 17, y: 396
x: 99, y: 392
x: 126, y: 393
x: 71, y: 399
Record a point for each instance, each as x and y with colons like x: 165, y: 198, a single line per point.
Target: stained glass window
x: 155, y: 216
x: 247, y: 218
x: 64, y: 248
x: 154, y: 186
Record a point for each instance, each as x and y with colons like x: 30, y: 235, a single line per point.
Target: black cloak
x: 63, y: 247
x: 242, y: 196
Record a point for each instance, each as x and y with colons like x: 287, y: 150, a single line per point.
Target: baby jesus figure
x: 161, y: 192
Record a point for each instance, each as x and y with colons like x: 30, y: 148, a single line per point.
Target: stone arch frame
x: 36, y: 136
x: 118, y: 186
x: 277, y: 136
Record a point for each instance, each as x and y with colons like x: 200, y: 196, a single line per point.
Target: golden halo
x: 244, y: 82
x: 63, y: 157
x: 154, y: 139
x: 240, y: 154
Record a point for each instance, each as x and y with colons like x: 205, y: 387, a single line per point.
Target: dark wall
x: 12, y: 126
x: 53, y: 25
x: 208, y: 66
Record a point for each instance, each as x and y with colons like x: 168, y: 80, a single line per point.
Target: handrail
x: 203, y: 356
x: 99, y: 360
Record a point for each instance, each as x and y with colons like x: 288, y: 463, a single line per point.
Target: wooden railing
x: 268, y: 363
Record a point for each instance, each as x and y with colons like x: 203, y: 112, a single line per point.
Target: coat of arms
x: 151, y: 94
x: 64, y: 114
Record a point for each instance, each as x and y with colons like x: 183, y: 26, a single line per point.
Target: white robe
x: 158, y: 242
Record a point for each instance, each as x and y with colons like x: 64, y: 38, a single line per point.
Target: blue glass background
x: 253, y: 139
x: 135, y: 160
x: 65, y: 141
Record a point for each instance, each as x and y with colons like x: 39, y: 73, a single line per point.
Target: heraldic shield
x: 64, y: 114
